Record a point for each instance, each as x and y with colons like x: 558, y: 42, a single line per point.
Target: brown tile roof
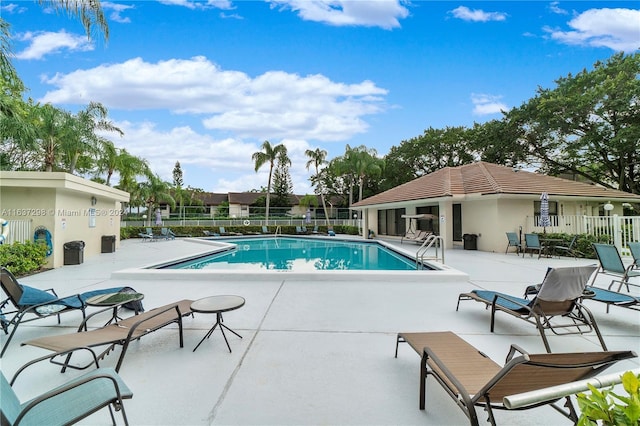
x: 483, y: 178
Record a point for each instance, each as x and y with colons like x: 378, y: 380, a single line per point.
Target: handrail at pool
x: 278, y: 231
x: 434, y: 241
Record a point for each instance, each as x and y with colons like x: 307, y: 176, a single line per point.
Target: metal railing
x: 432, y: 241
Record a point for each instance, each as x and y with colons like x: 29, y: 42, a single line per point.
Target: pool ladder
x: 437, y: 243
x: 278, y: 231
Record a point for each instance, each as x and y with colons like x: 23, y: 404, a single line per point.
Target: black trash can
x: 470, y: 241
x: 73, y: 252
x: 108, y: 243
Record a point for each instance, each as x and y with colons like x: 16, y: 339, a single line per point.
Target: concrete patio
x: 312, y: 352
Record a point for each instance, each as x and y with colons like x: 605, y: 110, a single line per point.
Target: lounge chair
x: 30, y: 304
x: 568, y: 250
x: 224, y: 232
x: 265, y: 229
x: 167, y: 234
x: 418, y: 237
x: 146, y: 236
x: 634, y: 248
x: 611, y: 264
x: 556, y: 306
x: 65, y: 404
x: 513, y: 241
x: 532, y: 244
x: 120, y: 333
x: 612, y: 298
x: 299, y: 230
x: 473, y: 380
x: 316, y: 231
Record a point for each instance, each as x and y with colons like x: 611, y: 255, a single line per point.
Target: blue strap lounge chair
x: 513, y: 241
x: 532, y: 244
x: 611, y: 264
x: 66, y: 404
x: 634, y: 248
x: 569, y: 250
x: 556, y: 306
x: 30, y: 304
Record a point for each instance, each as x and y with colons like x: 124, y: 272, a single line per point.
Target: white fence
x: 19, y: 230
x: 621, y: 230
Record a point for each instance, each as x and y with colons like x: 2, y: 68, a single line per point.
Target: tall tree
x: 588, y: 125
x: 155, y: 191
x: 177, y: 183
x: 317, y: 159
x: 269, y: 155
x: 282, y: 185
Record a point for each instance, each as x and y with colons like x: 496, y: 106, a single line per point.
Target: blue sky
x: 206, y: 82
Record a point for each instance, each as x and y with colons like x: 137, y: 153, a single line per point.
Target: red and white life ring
x: 4, y: 224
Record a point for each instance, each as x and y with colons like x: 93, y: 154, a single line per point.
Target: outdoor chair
x: 418, y: 237
x: 146, y: 236
x: 299, y: 230
x: 473, y: 380
x: 265, y: 229
x: 634, y: 248
x: 66, y: 404
x: 30, y: 304
x: 120, y: 333
x: 612, y: 298
x: 513, y: 241
x: 611, y: 264
x: 532, y: 244
x: 223, y: 231
x: 556, y: 306
x: 167, y: 234
x: 568, y: 250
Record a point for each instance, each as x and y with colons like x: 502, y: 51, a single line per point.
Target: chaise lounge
x: 120, y: 333
x: 473, y: 380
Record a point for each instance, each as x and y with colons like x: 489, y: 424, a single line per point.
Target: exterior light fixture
x: 608, y: 207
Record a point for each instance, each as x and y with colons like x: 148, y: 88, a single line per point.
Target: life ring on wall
x: 4, y: 224
x: 43, y: 235
x: 247, y: 222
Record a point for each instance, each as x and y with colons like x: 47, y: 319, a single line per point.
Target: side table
x: 217, y: 305
x: 116, y: 300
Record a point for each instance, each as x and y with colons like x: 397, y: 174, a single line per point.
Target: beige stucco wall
x: 62, y: 203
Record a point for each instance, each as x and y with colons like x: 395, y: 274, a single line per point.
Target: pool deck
x: 313, y: 351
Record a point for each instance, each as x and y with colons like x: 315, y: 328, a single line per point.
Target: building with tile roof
x: 484, y: 199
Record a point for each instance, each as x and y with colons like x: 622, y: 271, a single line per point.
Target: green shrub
x: 610, y: 408
x: 23, y: 258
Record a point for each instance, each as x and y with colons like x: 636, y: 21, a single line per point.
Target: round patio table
x: 217, y: 305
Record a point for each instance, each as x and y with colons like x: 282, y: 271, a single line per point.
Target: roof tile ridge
x: 494, y: 184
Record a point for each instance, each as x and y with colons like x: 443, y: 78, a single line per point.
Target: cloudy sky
x: 206, y: 82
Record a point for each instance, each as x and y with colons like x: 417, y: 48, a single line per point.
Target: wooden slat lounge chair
x: 120, y: 333
x: 556, y: 306
x: 611, y: 264
x: 65, y: 404
x: 31, y: 304
x: 473, y: 380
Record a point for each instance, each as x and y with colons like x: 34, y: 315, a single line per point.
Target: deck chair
x: 612, y: 298
x: 265, y: 229
x: 532, y: 244
x: 25, y: 304
x: 146, y: 236
x: 223, y: 231
x: 299, y: 230
x: 611, y: 264
x: 167, y: 234
x: 473, y: 380
x: 513, y: 241
x: 418, y: 237
x: 568, y: 250
x: 556, y: 306
x: 65, y: 404
x: 634, y: 248
x: 121, y: 333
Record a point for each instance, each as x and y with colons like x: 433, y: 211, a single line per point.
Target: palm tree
x: 89, y: 12
x: 154, y: 192
x: 317, y: 158
x: 270, y: 154
x: 53, y: 127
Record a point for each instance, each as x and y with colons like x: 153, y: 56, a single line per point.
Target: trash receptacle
x: 470, y: 241
x: 73, y: 252
x: 108, y: 243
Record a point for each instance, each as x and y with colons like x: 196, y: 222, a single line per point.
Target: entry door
x: 457, y: 222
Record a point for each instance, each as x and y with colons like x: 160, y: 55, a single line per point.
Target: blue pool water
x: 301, y: 254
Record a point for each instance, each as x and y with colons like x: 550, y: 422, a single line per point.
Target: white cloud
x: 116, y: 10
x: 273, y: 105
x: 378, y: 13
x: 616, y: 29
x: 466, y: 14
x: 484, y: 104
x: 555, y: 8
x: 12, y: 8
x: 216, y: 165
x: 197, y: 4
x: 46, y: 43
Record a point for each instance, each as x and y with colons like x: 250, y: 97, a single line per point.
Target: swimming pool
x: 301, y: 255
